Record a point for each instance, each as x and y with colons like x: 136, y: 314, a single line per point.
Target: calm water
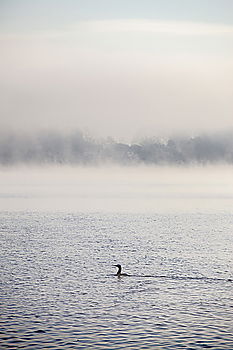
x: 172, y: 232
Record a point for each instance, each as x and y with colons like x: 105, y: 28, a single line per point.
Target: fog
x: 128, y: 94
x: 117, y: 189
x: 145, y: 69
x: 78, y: 148
x: 121, y: 78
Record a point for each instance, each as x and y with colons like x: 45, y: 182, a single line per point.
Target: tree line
x: 78, y: 148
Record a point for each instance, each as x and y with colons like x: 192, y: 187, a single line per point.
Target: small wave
x: 207, y: 279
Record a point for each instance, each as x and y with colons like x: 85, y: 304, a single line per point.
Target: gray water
x: 58, y: 285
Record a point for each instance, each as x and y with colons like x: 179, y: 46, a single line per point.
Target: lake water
x: 62, y: 229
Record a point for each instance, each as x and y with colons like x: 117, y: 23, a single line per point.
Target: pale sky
x: 120, y: 68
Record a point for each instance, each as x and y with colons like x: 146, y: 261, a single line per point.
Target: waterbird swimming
x: 119, y: 271
x: 119, y: 274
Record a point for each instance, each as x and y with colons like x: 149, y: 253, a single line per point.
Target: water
x: 58, y: 285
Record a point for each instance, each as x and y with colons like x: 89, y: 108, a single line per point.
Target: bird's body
x: 119, y: 271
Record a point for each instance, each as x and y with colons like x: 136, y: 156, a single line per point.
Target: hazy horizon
x: 79, y: 148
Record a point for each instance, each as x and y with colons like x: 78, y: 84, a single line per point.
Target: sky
x: 118, y: 68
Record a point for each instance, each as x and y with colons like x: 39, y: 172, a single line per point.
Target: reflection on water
x: 59, y: 289
x: 61, y: 232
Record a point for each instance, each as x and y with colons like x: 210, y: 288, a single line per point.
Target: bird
x: 119, y: 271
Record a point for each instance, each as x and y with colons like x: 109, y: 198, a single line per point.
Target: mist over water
x: 78, y: 148
x: 117, y: 188
x: 62, y: 228
x: 151, y: 188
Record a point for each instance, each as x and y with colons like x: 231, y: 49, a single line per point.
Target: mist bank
x: 78, y: 148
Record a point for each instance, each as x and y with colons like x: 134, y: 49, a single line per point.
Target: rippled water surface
x: 59, y: 290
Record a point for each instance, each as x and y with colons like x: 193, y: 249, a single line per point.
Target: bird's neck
x: 119, y: 271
